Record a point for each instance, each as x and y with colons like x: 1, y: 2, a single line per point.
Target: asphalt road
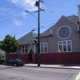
x: 35, y: 73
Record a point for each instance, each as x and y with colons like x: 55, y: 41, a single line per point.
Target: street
x: 35, y: 73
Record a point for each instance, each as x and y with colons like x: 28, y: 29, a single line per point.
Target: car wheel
x: 6, y: 64
x: 15, y: 64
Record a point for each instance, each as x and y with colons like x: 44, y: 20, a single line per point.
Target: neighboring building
x: 59, y: 44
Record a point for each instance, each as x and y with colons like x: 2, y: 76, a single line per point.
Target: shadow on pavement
x: 70, y: 64
x: 7, y: 67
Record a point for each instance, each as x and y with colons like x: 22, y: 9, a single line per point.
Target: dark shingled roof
x: 47, y: 32
x: 73, y: 18
x: 26, y: 38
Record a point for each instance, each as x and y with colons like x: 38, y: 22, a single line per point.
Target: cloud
x: 26, y: 4
x: 17, y: 22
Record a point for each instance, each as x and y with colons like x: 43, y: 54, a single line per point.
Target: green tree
x: 9, y: 44
x: 2, y: 56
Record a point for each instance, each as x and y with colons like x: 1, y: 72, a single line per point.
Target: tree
x: 2, y: 56
x: 9, y: 44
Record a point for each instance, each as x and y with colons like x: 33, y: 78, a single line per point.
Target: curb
x: 71, y: 68
x: 53, y: 67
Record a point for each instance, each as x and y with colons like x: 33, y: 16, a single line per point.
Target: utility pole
x: 37, y: 4
x: 39, y: 34
x: 39, y: 9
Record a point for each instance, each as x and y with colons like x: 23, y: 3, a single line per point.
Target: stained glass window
x: 64, y: 32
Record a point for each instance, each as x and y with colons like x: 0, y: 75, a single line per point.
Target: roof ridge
x: 27, y: 34
x: 72, y: 15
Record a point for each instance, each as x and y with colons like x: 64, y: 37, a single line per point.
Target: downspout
x: 79, y: 19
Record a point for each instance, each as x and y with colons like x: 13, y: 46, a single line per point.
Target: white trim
x: 34, y: 48
x: 60, y: 28
x: 66, y: 45
x: 32, y: 53
x: 43, y: 46
x: 30, y: 49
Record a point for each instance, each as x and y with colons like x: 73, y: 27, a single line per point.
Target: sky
x: 15, y: 21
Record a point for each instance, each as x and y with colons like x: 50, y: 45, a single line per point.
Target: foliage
x: 9, y: 44
x: 2, y: 56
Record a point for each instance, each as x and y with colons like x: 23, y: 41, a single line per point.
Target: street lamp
x: 31, y: 14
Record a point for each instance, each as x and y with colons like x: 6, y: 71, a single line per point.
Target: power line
x: 49, y: 22
x: 8, y: 15
x: 9, y: 19
x: 44, y: 26
x: 5, y: 21
x: 58, y: 3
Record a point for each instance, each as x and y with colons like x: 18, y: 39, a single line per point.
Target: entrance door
x: 31, y: 52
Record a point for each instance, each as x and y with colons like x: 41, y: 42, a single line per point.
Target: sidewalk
x: 56, y: 66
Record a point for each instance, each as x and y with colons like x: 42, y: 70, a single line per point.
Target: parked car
x: 15, y: 62
x: 2, y: 61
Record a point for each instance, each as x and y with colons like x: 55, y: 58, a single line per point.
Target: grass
x: 75, y: 75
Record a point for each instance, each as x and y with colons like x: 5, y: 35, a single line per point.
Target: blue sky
x: 15, y: 21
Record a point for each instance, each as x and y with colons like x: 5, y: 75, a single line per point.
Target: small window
x: 60, y: 48
x: 43, y: 48
x: 69, y: 47
x: 60, y: 42
x: 23, y: 46
x: 24, y: 49
x: 64, y: 48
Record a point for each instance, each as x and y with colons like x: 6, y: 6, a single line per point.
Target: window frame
x: 24, y: 48
x: 66, y: 45
x: 44, y: 47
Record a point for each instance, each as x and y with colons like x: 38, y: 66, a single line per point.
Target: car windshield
x: 11, y: 60
x: 18, y: 60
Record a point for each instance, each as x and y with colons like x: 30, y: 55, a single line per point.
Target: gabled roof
x: 73, y: 18
x: 26, y: 38
x: 47, y: 32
